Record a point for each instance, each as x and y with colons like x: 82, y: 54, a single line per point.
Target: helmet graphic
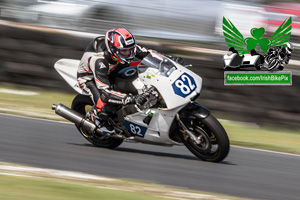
x: 289, y: 47
x: 121, y: 44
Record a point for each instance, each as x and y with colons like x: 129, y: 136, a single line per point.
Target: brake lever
x: 139, y: 110
x: 145, y: 105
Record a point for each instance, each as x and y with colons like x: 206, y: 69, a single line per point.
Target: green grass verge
x: 19, y: 188
x: 240, y: 134
x: 38, y: 105
x: 275, y: 139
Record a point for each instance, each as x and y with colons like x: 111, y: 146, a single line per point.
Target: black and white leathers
x: 96, y: 71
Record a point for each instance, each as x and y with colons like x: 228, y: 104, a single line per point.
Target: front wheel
x: 213, y: 143
x: 81, y: 104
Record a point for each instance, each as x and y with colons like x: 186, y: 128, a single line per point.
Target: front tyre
x: 214, y: 143
x: 79, y: 104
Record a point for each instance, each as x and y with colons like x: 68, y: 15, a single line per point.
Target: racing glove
x: 176, y: 59
x: 139, y: 99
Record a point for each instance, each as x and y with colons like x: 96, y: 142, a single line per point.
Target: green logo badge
x: 257, y: 42
x: 257, y: 51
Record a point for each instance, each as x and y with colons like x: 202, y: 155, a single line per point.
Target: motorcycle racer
x: 103, y: 58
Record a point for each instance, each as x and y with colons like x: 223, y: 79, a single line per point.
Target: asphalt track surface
x: 244, y: 173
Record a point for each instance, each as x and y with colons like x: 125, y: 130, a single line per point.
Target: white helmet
x: 289, y: 48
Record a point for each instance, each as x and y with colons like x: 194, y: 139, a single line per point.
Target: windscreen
x: 158, y: 61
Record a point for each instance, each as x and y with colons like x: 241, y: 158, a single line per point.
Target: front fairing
x: 176, y: 84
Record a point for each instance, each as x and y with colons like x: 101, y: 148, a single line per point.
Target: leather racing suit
x: 97, y: 70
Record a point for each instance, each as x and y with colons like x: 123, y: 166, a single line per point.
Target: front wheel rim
x: 209, y: 144
x: 205, y: 144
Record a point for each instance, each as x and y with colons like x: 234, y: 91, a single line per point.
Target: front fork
x: 186, y: 130
x: 190, y: 112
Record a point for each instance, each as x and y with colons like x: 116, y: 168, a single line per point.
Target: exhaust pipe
x: 79, y: 120
x: 74, y: 117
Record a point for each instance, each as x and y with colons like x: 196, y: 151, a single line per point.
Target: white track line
x: 33, y: 118
x: 55, y: 173
x: 268, y: 151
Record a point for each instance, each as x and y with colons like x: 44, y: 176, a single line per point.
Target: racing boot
x: 102, y: 115
x: 101, y: 121
x: 104, y: 125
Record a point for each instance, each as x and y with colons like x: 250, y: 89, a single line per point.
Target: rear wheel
x: 280, y: 67
x: 213, y: 143
x: 81, y: 104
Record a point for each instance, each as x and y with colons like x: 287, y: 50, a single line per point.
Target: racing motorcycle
x: 169, y: 117
x: 277, y: 57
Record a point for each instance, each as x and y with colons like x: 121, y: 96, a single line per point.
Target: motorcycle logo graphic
x: 257, y: 51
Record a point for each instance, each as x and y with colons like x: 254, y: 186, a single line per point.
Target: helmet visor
x: 126, y: 54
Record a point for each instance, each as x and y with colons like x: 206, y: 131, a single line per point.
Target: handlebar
x: 190, y: 65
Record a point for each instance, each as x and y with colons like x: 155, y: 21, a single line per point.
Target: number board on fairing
x: 184, y: 85
x: 135, y: 129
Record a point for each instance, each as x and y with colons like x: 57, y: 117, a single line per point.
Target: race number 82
x: 184, y: 85
x: 135, y: 129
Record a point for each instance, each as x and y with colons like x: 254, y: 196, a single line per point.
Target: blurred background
x: 35, y: 34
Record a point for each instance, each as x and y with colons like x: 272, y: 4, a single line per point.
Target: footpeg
x: 106, y: 131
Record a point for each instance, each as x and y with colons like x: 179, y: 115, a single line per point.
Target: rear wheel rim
x: 92, y: 137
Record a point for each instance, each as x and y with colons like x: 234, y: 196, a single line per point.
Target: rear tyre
x: 280, y: 67
x: 214, y: 143
x: 79, y: 104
